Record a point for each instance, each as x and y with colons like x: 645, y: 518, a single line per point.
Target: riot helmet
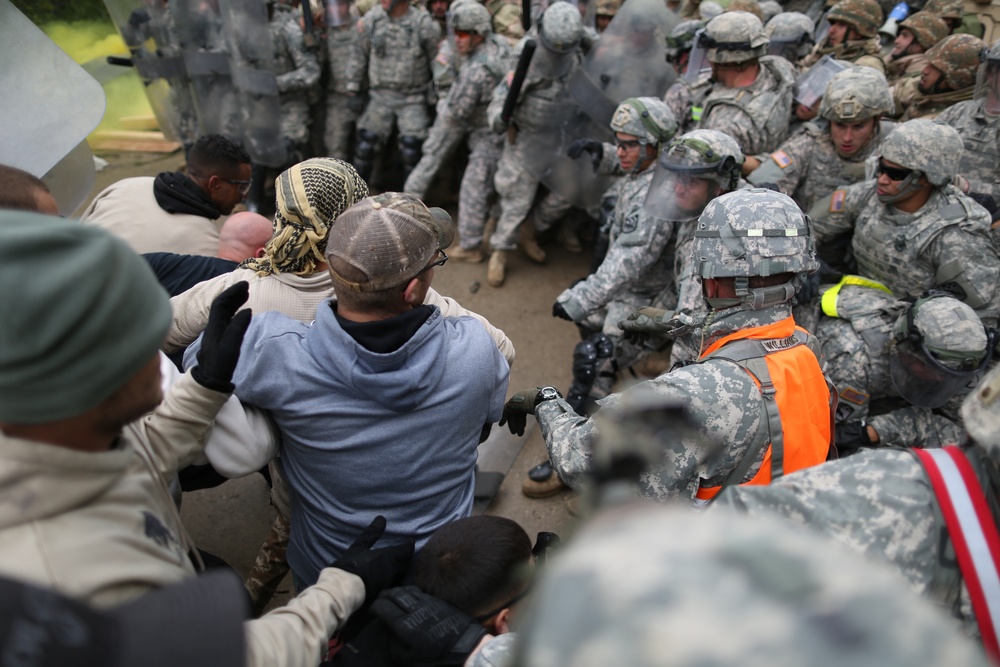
x: 771, y: 8
x: 561, y: 28
x: 648, y: 119
x: 709, y: 9
x: 471, y: 17
x: 692, y: 170
x: 927, y: 148
x: 856, y: 94
x: 949, y: 10
x: 988, y: 79
x: 734, y: 37
x: 679, y: 43
x: 939, y: 346
x: 753, y: 233
x: 790, y: 35
x: 927, y: 29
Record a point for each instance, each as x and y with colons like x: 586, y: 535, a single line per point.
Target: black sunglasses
x: 894, y: 173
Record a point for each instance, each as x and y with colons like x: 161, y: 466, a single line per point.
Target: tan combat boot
x: 470, y: 255
x: 568, y: 238
x: 497, y: 270
x: 528, y: 243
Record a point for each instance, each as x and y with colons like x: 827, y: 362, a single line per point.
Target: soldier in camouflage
x: 392, y: 57
x: 910, y: 228
x: 752, y: 246
x: 748, y: 94
x: 695, y: 169
x: 483, y: 61
x: 559, y: 34
x: 506, y: 19
x: 900, y: 519
x: 823, y: 156
x: 341, y: 113
x: 605, y: 12
x: 853, y: 35
x: 297, y: 72
x: 640, y: 258
x: 917, y: 33
x: 679, y: 43
x: 790, y: 35
x: 954, y: 14
x: 890, y: 387
x: 948, y: 77
x: 978, y: 122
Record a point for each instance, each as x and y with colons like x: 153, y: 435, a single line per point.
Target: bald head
x: 22, y: 191
x: 244, y: 235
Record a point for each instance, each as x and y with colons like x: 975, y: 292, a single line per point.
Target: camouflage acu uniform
x: 463, y: 114
x: 340, y: 118
x: 807, y: 167
x: 536, y: 113
x: 981, y: 159
x: 899, y: 519
x: 722, y: 401
x: 756, y: 116
x: 637, y: 267
x: 393, y: 58
x: 297, y: 72
x: 856, y: 347
x: 946, y: 243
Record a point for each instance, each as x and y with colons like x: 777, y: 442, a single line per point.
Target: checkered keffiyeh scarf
x: 310, y: 196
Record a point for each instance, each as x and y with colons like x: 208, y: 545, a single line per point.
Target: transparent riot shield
x: 629, y: 60
x: 251, y: 66
x: 203, y: 47
x: 43, y: 127
x: 147, y: 29
x: 812, y: 83
x: 546, y: 159
x: 338, y: 13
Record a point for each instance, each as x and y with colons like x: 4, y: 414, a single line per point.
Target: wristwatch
x: 547, y: 394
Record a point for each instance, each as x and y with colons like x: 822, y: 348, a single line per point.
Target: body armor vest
x: 397, y: 60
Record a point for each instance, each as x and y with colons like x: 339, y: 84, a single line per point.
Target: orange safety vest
x: 797, y: 407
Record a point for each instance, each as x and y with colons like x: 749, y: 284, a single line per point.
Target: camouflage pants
x: 340, y: 125
x: 385, y: 107
x: 442, y: 140
x: 517, y: 189
x: 477, y: 186
x: 295, y: 121
x: 271, y: 564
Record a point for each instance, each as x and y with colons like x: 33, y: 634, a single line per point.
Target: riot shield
x: 338, y: 13
x: 203, y: 48
x: 147, y: 29
x: 546, y: 156
x: 251, y: 66
x: 629, y: 60
x: 43, y: 127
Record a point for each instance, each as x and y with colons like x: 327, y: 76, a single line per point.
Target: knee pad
x: 410, y: 148
x: 366, y: 145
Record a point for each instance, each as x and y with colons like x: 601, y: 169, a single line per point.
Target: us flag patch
x: 854, y: 396
x: 782, y: 158
x: 837, y: 201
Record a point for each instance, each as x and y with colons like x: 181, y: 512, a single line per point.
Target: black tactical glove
x: 221, y: 341
x: 522, y: 404
x: 852, y: 436
x: 595, y: 148
x: 809, y: 289
x: 378, y: 568
x: 559, y: 311
x: 642, y: 324
x: 356, y: 103
x: 426, y: 631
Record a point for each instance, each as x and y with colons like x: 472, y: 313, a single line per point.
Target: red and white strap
x: 974, y: 533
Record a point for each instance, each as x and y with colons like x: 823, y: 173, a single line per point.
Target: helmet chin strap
x: 907, y: 186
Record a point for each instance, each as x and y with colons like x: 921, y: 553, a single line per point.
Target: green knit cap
x: 80, y: 314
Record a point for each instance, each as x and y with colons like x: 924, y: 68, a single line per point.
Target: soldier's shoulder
x: 782, y: 70
x: 960, y: 113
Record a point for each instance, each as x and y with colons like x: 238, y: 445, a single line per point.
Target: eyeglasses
x: 242, y: 186
x: 440, y: 262
x: 894, y: 173
x: 627, y: 144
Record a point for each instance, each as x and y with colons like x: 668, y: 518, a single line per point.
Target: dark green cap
x: 80, y: 314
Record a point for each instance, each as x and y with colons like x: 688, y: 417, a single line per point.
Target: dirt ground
x: 232, y: 520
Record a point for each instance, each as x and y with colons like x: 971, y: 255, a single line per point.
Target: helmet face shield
x: 698, y: 63
x: 923, y: 380
x: 680, y: 194
x: 988, y: 85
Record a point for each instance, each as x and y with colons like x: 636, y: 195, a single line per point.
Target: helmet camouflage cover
x: 770, y: 9
x: 792, y: 31
x: 981, y: 412
x: 706, y: 155
x: 856, y: 94
x: 754, y: 232
x: 927, y: 28
x: 946, y: 9
x: 931, y: 148
x: 957, y: 56
x: 735, y: 37
x: 608, y: 7
x: 648, y: 118
x: 681, y: 37
x: 865, y: 16
x: 471, y: 17
x: 561, y: 27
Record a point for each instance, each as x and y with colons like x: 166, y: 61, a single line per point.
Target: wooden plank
x: 133, y: 146
x: 146, y: 122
